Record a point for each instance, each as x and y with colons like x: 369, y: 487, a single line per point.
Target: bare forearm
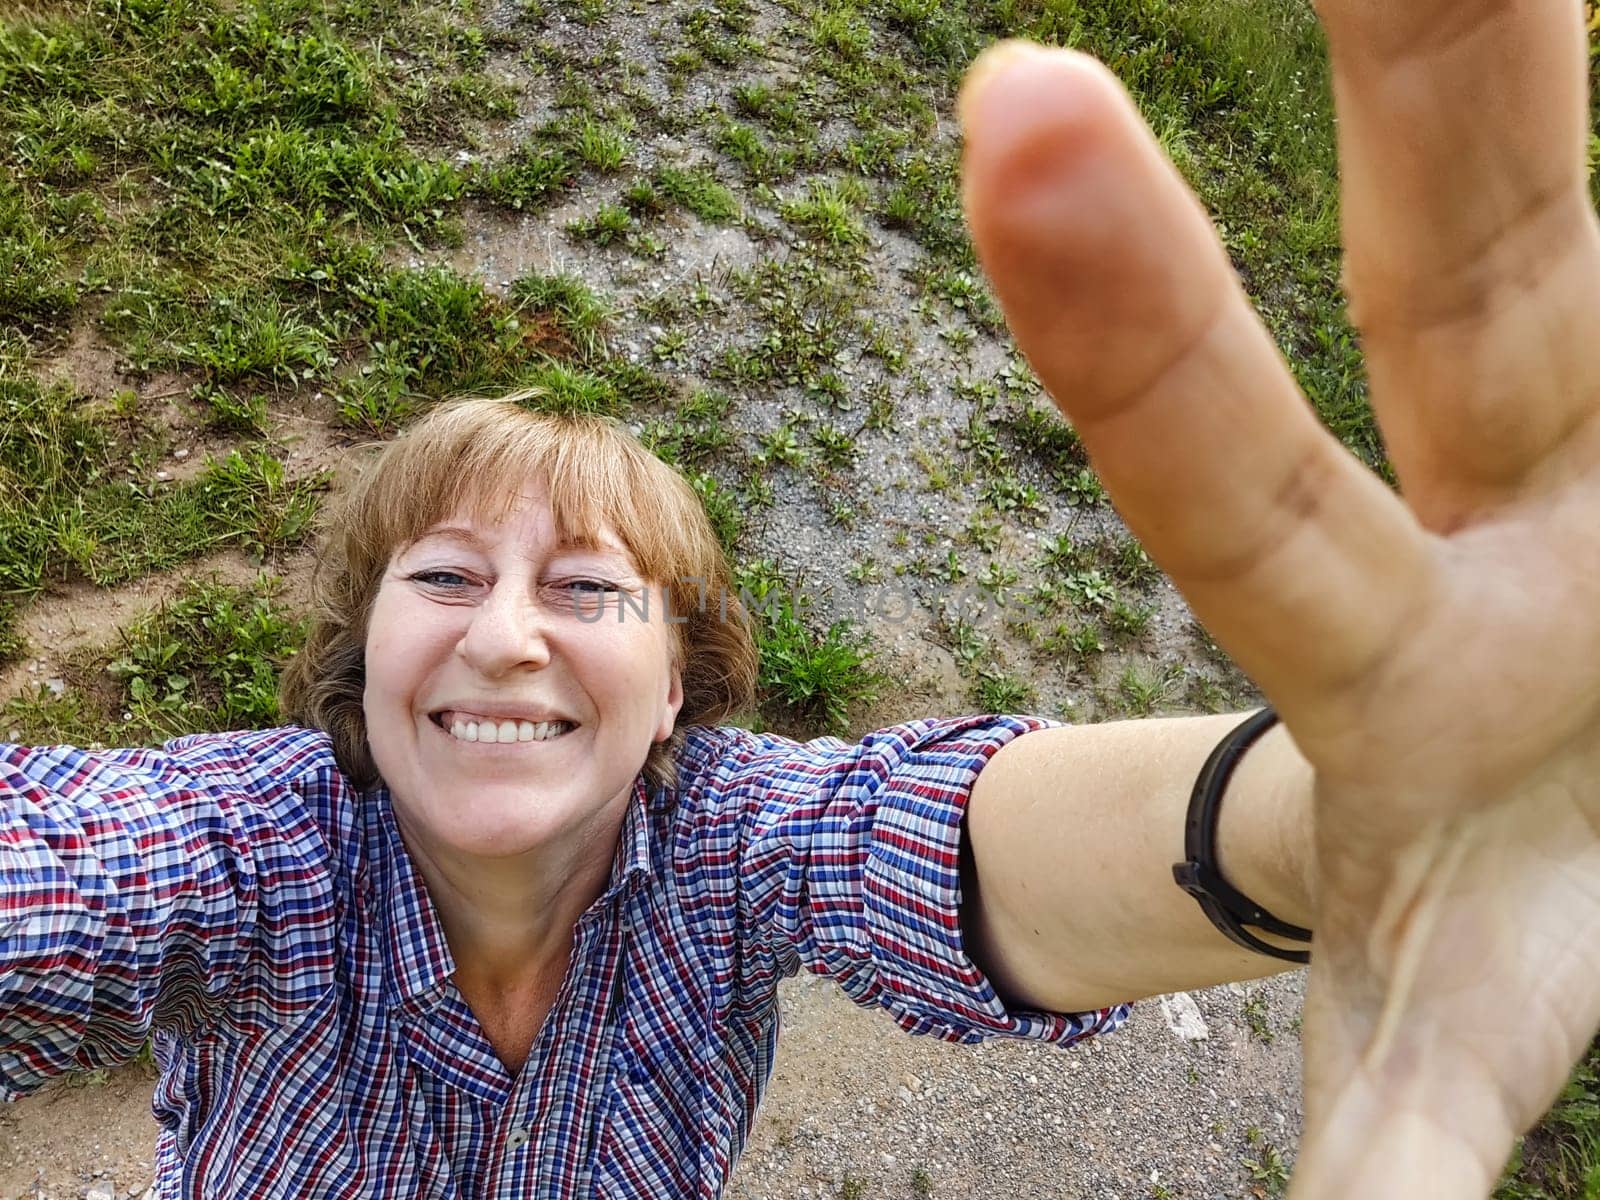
x: 1069, y: 901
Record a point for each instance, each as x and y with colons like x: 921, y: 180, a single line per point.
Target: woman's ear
x: 672, y: 704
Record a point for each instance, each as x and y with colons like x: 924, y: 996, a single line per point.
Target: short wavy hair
x: 477, y: 456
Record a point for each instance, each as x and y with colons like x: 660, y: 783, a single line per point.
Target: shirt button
x: 517, y: 1138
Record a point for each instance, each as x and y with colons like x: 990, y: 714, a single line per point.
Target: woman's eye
x: 590, y: 585
x: 441, y: 579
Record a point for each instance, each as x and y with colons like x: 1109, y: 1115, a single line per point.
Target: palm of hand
x: 1456, y: 973
x: 1437, y: 659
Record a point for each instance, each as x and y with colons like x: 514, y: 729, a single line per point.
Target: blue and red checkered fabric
x: 235, y: 895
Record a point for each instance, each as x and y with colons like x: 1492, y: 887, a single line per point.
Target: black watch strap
x: 1230, y: 909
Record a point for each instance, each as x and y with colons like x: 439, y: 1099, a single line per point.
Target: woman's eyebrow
x: 459, y: 533
x: 614, y: 555
x: 473, y: 539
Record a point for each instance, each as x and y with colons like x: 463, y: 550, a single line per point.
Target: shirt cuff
x: 912, y: 897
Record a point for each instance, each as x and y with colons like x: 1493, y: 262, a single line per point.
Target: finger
x: 1300, y: 562
x: 1472, y: 254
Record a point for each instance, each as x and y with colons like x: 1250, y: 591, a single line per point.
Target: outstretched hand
x: 1435, y: 655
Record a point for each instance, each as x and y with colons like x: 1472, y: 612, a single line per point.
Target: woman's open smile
x: 476, y: 727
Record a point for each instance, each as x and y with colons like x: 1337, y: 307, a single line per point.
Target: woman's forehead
x: 525, y: 513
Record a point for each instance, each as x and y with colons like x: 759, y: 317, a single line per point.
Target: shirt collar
x: 417, y: 958
x: 634, y: 848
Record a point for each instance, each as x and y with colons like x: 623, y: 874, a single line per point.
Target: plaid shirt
x: 235, y: 894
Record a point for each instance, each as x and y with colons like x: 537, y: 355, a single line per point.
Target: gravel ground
x: 900, y: 520
x: 856, y: 1104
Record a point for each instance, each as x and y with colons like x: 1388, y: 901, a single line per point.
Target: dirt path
x: 76, y: 1135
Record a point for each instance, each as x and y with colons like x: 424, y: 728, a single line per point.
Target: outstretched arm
x: 1434, y: 654
x: 147, y: 889
x: 1069, y: 903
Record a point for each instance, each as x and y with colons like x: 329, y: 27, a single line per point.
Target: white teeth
x: 506, y: 731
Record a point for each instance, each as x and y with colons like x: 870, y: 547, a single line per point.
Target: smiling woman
x: 473, y: 468
x: 484, y: 629
x: 506, y: 914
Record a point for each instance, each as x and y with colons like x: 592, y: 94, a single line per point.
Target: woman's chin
x: 495, y: 841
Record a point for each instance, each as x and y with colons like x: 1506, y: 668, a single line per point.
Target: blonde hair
x: 478, y: 456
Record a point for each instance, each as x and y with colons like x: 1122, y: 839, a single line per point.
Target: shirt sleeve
x: 847, y: 859
x: 149, y: 888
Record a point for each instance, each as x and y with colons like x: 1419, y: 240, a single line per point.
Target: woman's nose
x: 508, y: 630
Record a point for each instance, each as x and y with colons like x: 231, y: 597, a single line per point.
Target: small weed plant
x: 819, y: 676
x: 207, y: 659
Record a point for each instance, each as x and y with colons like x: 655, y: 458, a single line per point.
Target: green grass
x: 1237, y: 90
x: 1257, y: 1016
x: 610, y: 223
x: 12, y: 643
x: 1147, y: 689
x: 829, y: 212
x: 697, y: 431
x: 572, y: 311
x: 995, y: 691
x: 66, y: 511
x: 225, y: 338
x: 552, y: 158
x: 1268, y: 1168
x: 603, y: 147
x: 528, y: 178
x: 762, y: 160
x: 222, y: 110
x: 206, y: 660
x: 556, y: 387
x: 696, y: 190
x: 808, y: 310
x: 1560, y: 1158
x: 278, y: 150
x: 816, y: 677
x: 32, y: 291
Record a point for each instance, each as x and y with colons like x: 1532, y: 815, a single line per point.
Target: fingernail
x: 986, y: 67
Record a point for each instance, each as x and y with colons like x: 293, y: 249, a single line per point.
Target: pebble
x: 1183, y: 1017
x: 100, y: 1189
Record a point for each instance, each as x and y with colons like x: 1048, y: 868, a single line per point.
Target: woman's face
x: 514, y: 683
